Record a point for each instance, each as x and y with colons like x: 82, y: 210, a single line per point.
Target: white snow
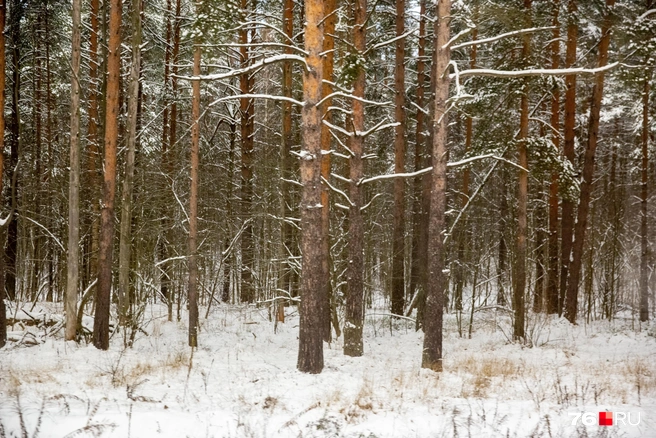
x: 242, y: 380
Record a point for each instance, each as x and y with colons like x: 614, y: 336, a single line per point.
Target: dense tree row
x: 439, y: 157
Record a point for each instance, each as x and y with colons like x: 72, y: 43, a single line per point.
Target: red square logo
x: 605, y: 418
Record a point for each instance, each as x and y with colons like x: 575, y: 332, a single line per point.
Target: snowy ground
x: 242, y: 382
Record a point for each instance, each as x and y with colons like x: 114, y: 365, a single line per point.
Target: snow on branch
x: 390, y: 41
x: 396, y: 175
x: 338, y: 129
x: 379, y: 127
x: 256, y: 96
x: 271, y: 44
x: 240, y: 71
x: 497, y: 37
x: 533, y: 72
x: 457, y: 37
x: 645, y: 15
x: 336, y: 190
x: 350, y: 96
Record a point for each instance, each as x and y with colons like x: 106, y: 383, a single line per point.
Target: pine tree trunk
x: 103, y: 290
x: 326, y: 137
x: 419, y: 228
x: 571, y: 298
x: 247, y: 142
x: 567, y: 219
x: 310, y: 339
x: 437, y: 283
x: 644, y: 230
x: 354, y: 312
x: 193, y: 203
x: 125, y: 238
x: 3, y: 230
x: 398, y: 239
x: 11, y: 250
x: 552, y: 263
x: 73, y: 253
x: 519, y: 289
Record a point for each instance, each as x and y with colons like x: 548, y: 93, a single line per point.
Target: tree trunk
x: 310, y: 339
x: 552, y: 263
x: 125, y: 238
x: 644, y: 229
x: 328, y: 67
x: 3, y: 235
x: 193, y: 202
x: 432, y: 351
x: 93, y: 143
x: 11, y: 250
x: 398, y: 239
x: 247, y: 142
x: 354, y: 313
x: 419, y: 224
x: 73, y: 253
x: 519, y: 284
x: 103, y: 290
x: 588, y: 173
x: 164, y: 243
x: 567, y: 219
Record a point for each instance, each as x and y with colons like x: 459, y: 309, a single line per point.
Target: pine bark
x: 398, y: 239
x: 571, y: 305
x: 552, y: 252
x: 103, y: 290
x: 73, y: 253
x: 3, y: 235
x: 567, y: 219
x: 645, y: 252
x: 310, y: 351
x: 437, y: 283
x: 354, y: 312
x: 125, y: 238
x: 247, y: 142
x: 519, y: 289
x: 193, y: 202
x: 326, y: 137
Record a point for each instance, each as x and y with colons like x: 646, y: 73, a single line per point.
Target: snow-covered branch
x: 256, y: 96
x: 240, y: 71
x: 350, y: 96
x: 336, y: 190
x: 533, y: 72
x: 390, y: 41
x: 379, y: 127
x: 498, y: 37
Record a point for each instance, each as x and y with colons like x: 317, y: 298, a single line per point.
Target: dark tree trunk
x: 552, y: 263
x: 432, y: 351
x: 567, y: 219
x: 398, y: 239
x: 571, y: 305
x: 354, y: 314
x: 644, y: 227
x: 3, y: 235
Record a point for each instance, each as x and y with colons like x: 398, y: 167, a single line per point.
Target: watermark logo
x: 606, y: 418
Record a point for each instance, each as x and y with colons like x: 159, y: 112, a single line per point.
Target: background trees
x: 378, y: 112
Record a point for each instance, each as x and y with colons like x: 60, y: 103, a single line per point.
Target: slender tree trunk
x: 571, y: 308
x: 193, y: 202
x: 326, y: 137
x: 354, y: 317
x: 125, y: 240
x: 552, y: 263
x: 93, y: 143
x: 11, y: 250
x: 419, y: 225
x: 166, y: 272
x: 247, y: 142
x: 644, y: 229
x: 103, y: 290
x: 310, y: 339
x: 3, y: 235
x: 519, y: 284
x: 432, y: 352
x: 398, y: 239
x: 73, y: 254
x: 567, y: 219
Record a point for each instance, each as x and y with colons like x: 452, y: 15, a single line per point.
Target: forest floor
x: 242, y: 381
